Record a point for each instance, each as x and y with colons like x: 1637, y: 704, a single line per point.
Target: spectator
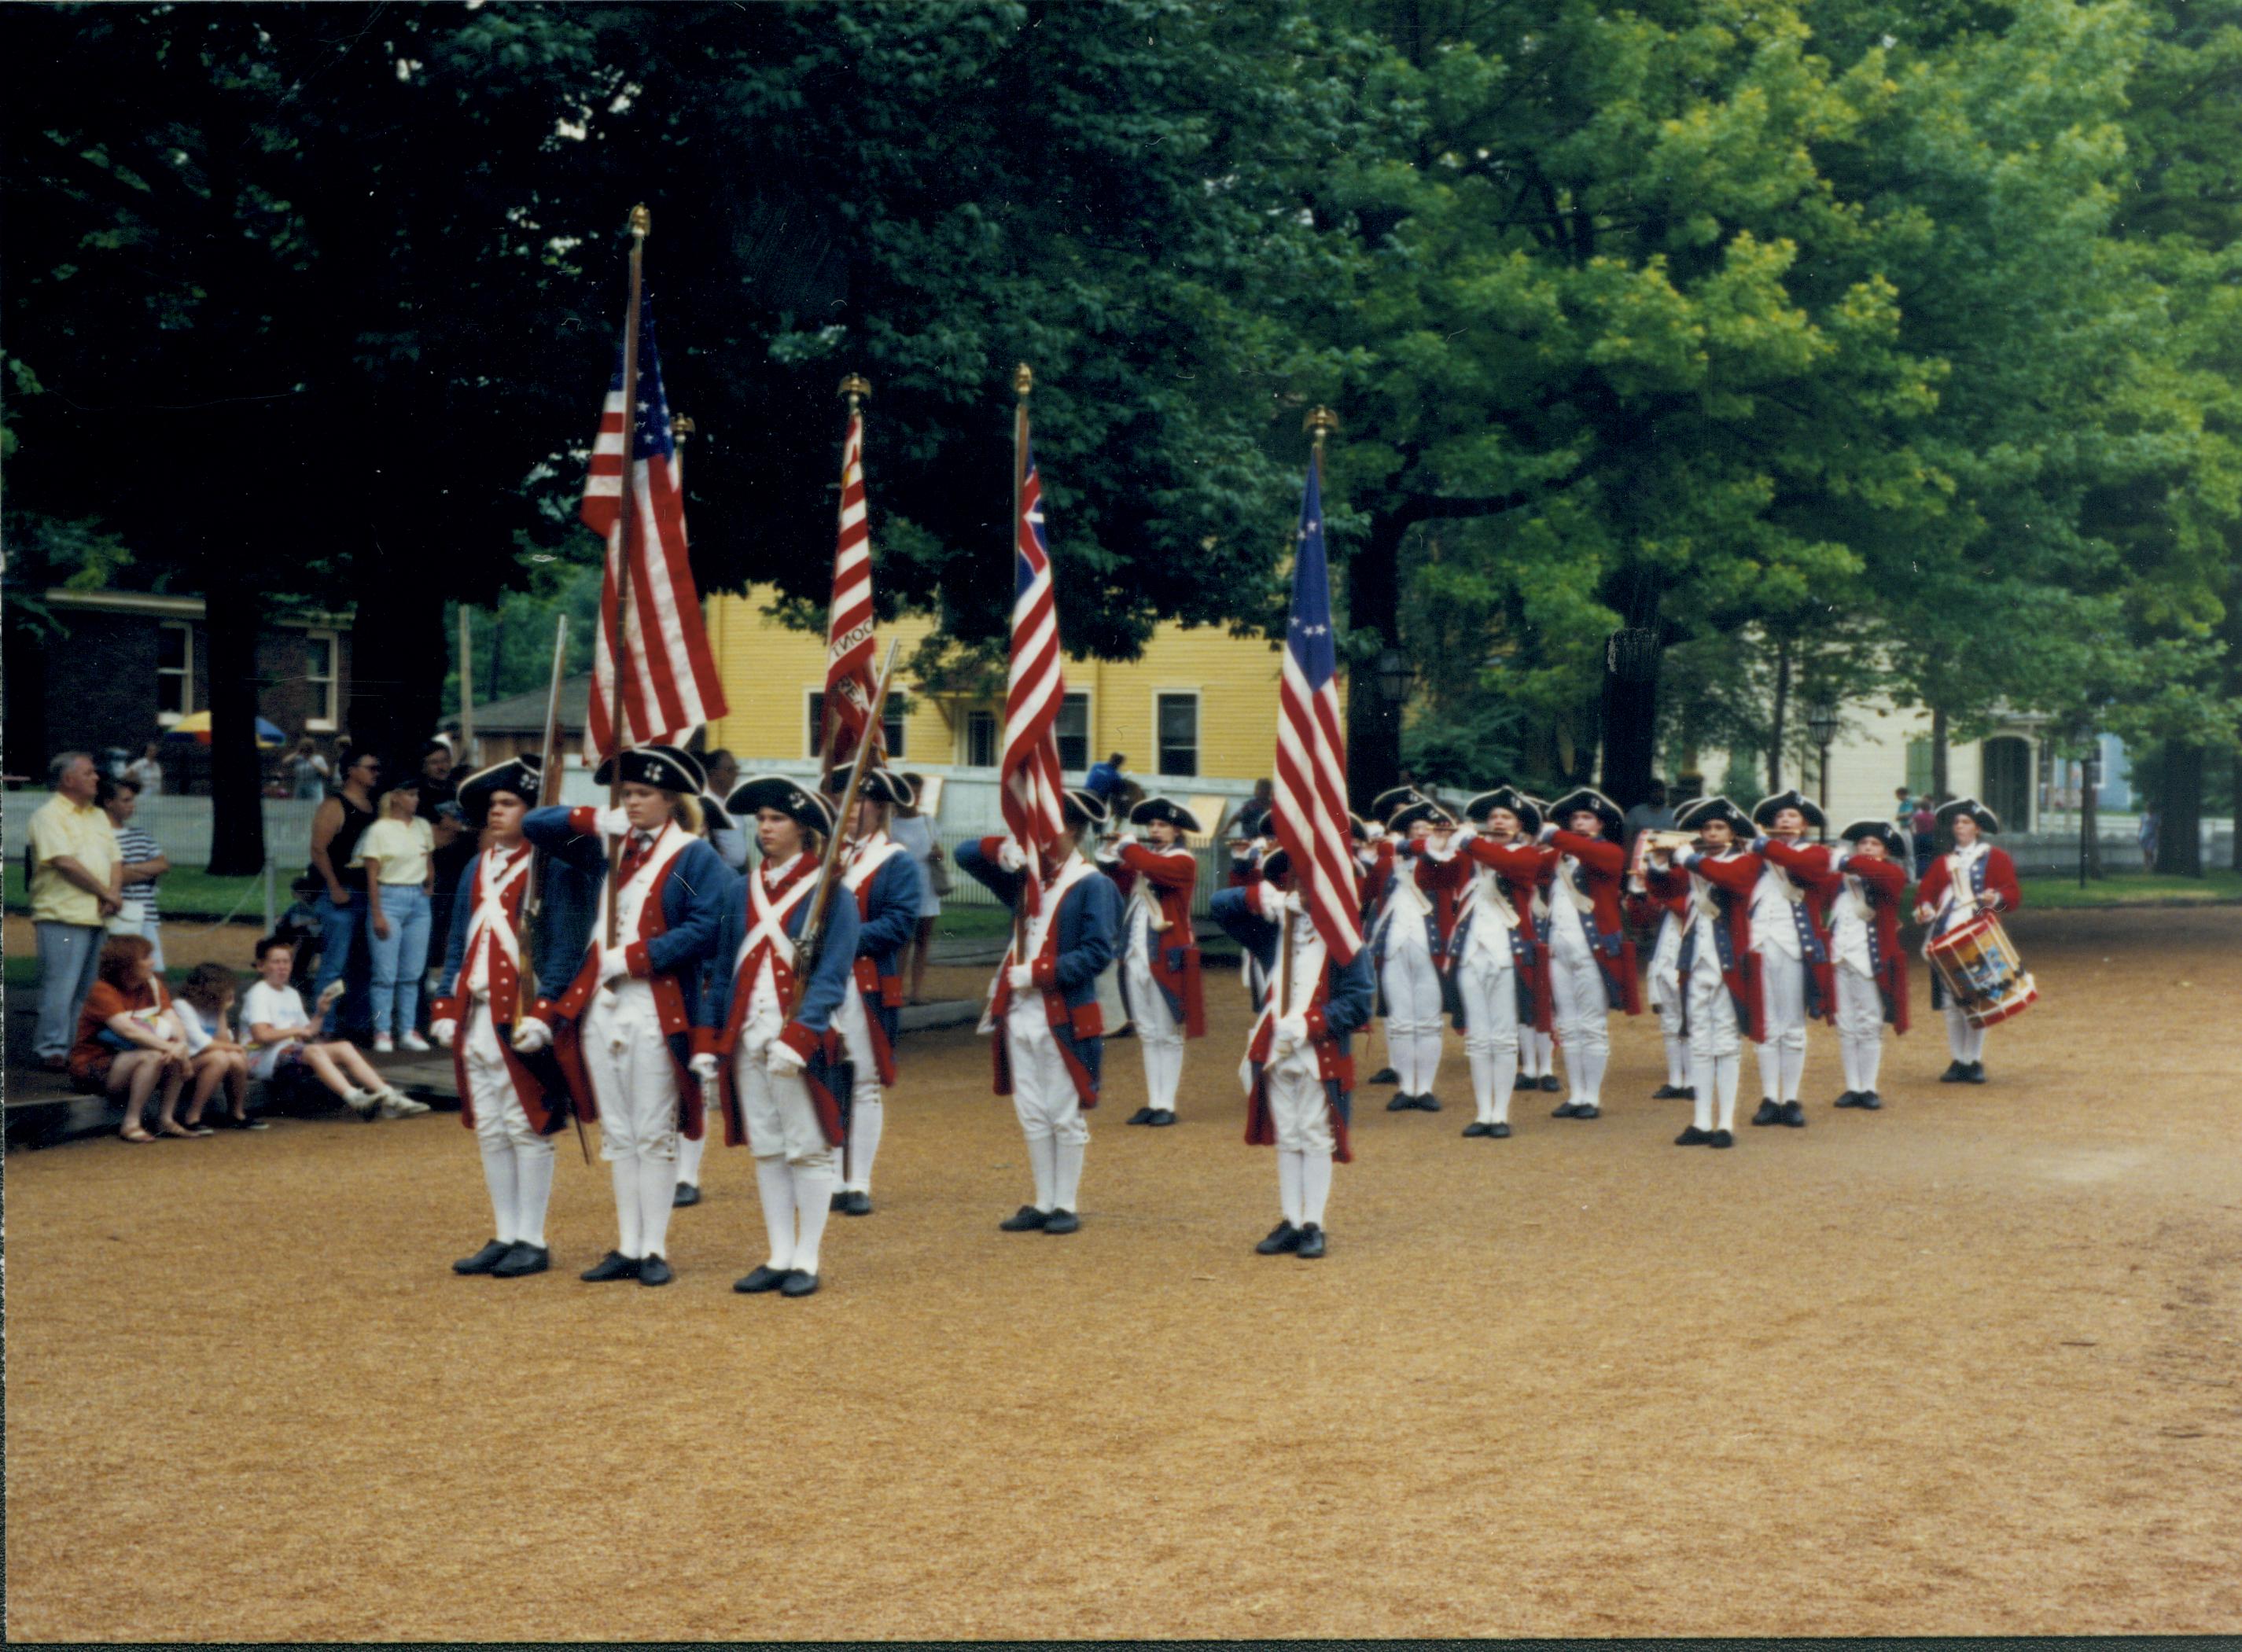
x: 916, y: 833
x: 1105, y: 778
x: 397, y: 854
x: 1251, y: 819
x: 205, y: 1000
x: 128, y: 1040
x: 2148, y: 836
x: 76, y: 878
x: 143, y: 864
x: 724, y: 771
x: 1651, y: 815
x: 280, y: 1047
x: 1904, y: 815
x: 456, y: 844
x: 1923, y: 829
x: 307, y: 772
x: 148, y: 774
x: 300, y: 928
x: 339, y: 822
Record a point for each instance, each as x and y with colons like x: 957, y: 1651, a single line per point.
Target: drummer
x: 1972, y: 877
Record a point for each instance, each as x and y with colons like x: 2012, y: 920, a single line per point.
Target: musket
x: 533, y: 902
x: 813, y: 927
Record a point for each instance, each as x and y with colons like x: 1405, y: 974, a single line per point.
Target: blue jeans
x: 69, y: 953
x: 400, y: 959
x: 339, y: 928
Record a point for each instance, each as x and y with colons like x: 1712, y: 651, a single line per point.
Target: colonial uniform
x: 1298, y: 1073
x: 883, y: 881
x: 1159, y: 954
x: 1248, y: 830
x: 1954, y: 888
x: 1050, y: 1041
x: 1407, y: 947
x: 1718, y: 969
x: 1592, y: 969
x: 1796, y: 883
x: 1494, y: 955
x: 627, y: 1017
x: 729, y: 839
x: 1866, y: 960
x: 1664, y: 910
x: 1375, y: 857
x: 776, y: 1062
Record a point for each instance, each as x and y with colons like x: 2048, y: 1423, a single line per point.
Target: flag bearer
x: 1792, y: 942
x: 1973, y: 876
x: 883, y: 881
x: 1870, y: 969
x: 1159, y: 954
x: 1591, y: 960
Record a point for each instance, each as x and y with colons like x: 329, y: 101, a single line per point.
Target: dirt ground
x: 1969, y: 1365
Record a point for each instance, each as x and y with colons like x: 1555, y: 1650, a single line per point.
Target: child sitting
x: 280, y: 1041
x: 204, y: 1001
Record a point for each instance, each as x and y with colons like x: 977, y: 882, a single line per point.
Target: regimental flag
x: 1034, y: 799
x: 670, y: 685
x: 849, y: 684
x: 1311, y: 809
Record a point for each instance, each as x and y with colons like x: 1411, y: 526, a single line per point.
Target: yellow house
x: 1199, y: 705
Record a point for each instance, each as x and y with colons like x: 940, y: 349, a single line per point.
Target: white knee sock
x: 533, y: 1192
x: 1066, y: 1185
x: 866, y: 1120
x: 774, y: 1182
x: 1976, y: 1043
x: 813, y: 1203
x: 1482, y: 1072
x: 1163, y: 1074
x: 1401, y: 1056
x: 1677, y: 1062
x: 1315, y: 1186
x: 1288, y: 1184
x: 1728, y: 1071
x: 1505, y: 1072
x: 498, y: 1176
x: 1428, y: 1058
x: 1794, y: 1069
x: 1701, y: 1080
x: 688, y: 1159
x: 1849, y: 1057
x: 1869, y: 1062
x: 1770, y: 1070
x: 657, y: 1191
x: 1043, y: 1159
x: 1957, y: 1034
x: 624, y: 1173
x: 1543, y: 1060
x: 1588, y: 1068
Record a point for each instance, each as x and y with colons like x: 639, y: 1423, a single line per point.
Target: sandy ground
x: 1969, y: 1365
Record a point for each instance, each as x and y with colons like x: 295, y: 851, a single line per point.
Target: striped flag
x: 1034, y: 795
x: 670, y: 685
x: 849, y: 684
x: 1311, y: 809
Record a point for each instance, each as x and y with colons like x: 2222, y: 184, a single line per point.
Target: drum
x: 1983, y: 973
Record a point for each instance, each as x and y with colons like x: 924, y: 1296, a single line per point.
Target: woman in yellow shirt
x: 397, y: 852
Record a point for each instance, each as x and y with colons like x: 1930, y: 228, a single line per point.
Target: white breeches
x: 634, y: 1079
x: 781, y: 1120
x: 1411, y: 985
x: 1044, y: 1099
x: 867, y: 1106
x: 517, y: 1161
x: 1537, y: 1051
x: 1860, y: 1028
x: 1158, y: 1033
x: 1782, y: 1000
x: 1298, y: 1107
x: 1489, y: 986
x: 1580, y: 1008
x: 1668, y: 995
x: 1715, y: 1045
x: 1965, y: 1042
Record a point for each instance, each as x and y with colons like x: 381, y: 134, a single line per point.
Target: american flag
x: 1034, y: 795
x: 1310, y: 811
x: 670, y: 685
x: 849, y: 685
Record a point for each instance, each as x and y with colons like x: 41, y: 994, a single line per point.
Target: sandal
x: 173, y: 1127
x: 134, y: 1133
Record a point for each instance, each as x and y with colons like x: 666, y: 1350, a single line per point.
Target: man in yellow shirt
x: 76, y: 877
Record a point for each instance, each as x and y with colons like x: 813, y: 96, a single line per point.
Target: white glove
x: 1272, y: 901
x: 1291, y: 1033
x: 703, y: 1067
x: 1124, y: 839
x: 532, y: 1035
x: 782, y: 1062
x: 1684, y: 855
x: 1463, y: 833
x: 614, y: 964
x: 1759, y: 845
x: 1373, y: 832
x: 1021, y: 976
x: 1296, y: 905
x: 614, y: 822
x: 1548, y: 830
x: 442, y: 1032
x: 1011, y: 857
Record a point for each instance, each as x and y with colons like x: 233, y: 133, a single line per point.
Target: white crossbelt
x: 768, y: 927
x: 490, y: 917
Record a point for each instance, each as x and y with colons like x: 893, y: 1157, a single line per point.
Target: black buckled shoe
x: 1693, y: 1137
x: 523, y: 1258
x: 1568, y: 1110
x: 1525, y: 1081
x: 1667, y: 1092
x: 1868, y: 1101
x: 1499, y: 1131
x: 1549, y: 1082
x: 1794, y: 1115
x: 1282, y: 1238
x: 1026, y: 1219
x: 1957, y: 1072
x: 1061, y: 1222
x: 856, y: 1202
x: 1142, y: 1116
x: 1401, y: 1102
x: 1384, y: 1075
x: 613, y: 1266
x: 1481, y: 1128
x: 1850, y: 1098
x: 655, y: 1270
x: 484, y: 1260
x: 799, y: 1284
x: 1160, y: 1118
x: 1687, y: 1092
x: 685, y: 1195
x: 1977, y: 1073
x: 765, y: 1278
x: 1428, y: 1103
x: 1588, y: 1110
x: 838, y: 1202
x: 1312, y: 1243
x: 1721, y: 1138
x: 1768, y: 1113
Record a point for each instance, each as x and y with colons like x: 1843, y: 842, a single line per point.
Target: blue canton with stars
x: 1308, y: 636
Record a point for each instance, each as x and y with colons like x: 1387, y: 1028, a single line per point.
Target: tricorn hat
x: 1695, y: 816
x: 1986, y: 819
x: 516, y: 775
x: 800, y: 803
x: 1765, y: 811
x: 1277, y: 865
x: 1085, y: 808
x: 1884, y: 832
x: 714, y: 816
x: 1168, y: 809
x: 1424, y: 808
x: 885, y: 786
x: 1357, y: 828
x: 1589, y: 798
x: 1504, y: 796
x: 1383, y: 806
x: 668, y: 767
x: 1251, y: 819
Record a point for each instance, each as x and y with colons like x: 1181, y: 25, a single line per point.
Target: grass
x: 2131, y: 888
x: 182, y: 892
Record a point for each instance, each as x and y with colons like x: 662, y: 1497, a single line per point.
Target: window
x: 980, y: 740
x: 175, y: 672
x: 1073, y: 730
x: 891, y: 724
x: 1178, y: 716
x: 319, y: 651
x: 1918, y: 768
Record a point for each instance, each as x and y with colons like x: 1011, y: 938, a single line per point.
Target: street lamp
x: 1821, y: 725
x: 1395, y: 676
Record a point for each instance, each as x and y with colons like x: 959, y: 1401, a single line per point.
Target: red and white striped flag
x: 849, y: 684
x: 670, y: 685
x: 1311, y: 807
x: 1034, y: 796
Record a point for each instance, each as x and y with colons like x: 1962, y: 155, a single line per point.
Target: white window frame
x: 185, y: 627
x: 1199, y: 733
x: 894, y: 722
x: 995, y: 738
x: 326, y: 722
x: 1089, y: 728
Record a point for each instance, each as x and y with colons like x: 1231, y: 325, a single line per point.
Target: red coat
x: 1994, y: 870
x: 1809, y: 867
x: 1173, y: 874
x: 1521, y: 865
x: 1444, y: 883
x: 1733, y: 877
x: 1883, y: 885
x: 1604, y: 866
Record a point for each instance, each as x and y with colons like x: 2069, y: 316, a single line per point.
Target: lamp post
x: 1821, y: 725
x: 1396, y: 676
x: 2090, y: 782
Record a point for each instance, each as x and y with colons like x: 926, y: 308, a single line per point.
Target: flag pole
x: 1024, y: 380
x: 855, y: 390
x: 640, y: 222
x: 1319, y: 423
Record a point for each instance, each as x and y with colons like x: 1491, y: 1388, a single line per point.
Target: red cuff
x: 584, y: 821
x: 1319, y: 1029
x: 546, y: 1010
x: 800, y: 1040
x: 443, y: 1010
x: 1045, y: 972
x: 704, y: 1042
x: 642, y: 967
x: 989, y: 846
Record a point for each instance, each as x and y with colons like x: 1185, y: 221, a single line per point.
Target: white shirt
x: 274, y: 1006
x: 1849, y: 927
x: 1773, y: 928
x: 191, y: 1023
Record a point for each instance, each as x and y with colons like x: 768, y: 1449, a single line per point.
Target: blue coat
x: 887, y: 911
x: 1343, y: 1004
x: 1089, y: 924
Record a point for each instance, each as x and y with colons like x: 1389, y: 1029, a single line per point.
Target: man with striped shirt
x: 144, y: 862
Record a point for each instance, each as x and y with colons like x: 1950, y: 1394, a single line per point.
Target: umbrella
x: 196, y: 726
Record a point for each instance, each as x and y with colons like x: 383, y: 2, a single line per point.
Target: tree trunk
x: 1630, y: 729
x: 2089, y: 824
x: 1782, y: 710
x: 1939, y: 791
x: 1373, y: 613
x: 398, y: 651
x: 236, y: 771
x: 2179, y: 832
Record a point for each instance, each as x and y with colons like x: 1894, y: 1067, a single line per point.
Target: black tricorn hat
x: 516, y: 775
x: 1423, y: 808
x: 883, y: 786
x: 1277, y: 865
x: 800, y: 803
x: 1986, y: 819
x: 1509, y: 797
x: 1168, y: 809
x: 1884, y: 832
x: 1705, y: 809
x: 1383, y: 806
x: 1085, y: 808
x: 669, y: 768
x: 1357, y: 828
x: 714, y: 816
x: 1589, y: 798
x: 1765, y: 811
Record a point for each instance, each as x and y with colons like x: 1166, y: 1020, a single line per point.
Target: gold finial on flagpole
x: 681, y: 427
x: 857, y: 388
x: 640, y: 222
x: 1320, y: 422
x: 1023, y: 379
